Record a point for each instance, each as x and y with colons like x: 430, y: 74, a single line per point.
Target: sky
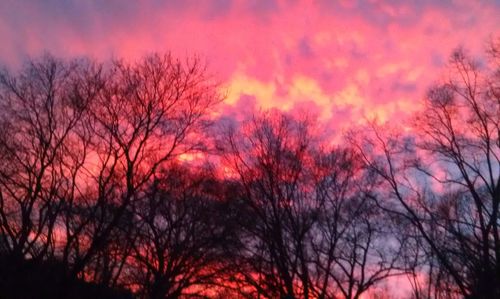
x: 341, y: 61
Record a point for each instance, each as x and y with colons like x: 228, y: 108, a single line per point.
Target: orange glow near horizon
x: 344, y: 63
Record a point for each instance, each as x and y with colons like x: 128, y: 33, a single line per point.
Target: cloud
x: 343, y: 59
x: 242, y: 85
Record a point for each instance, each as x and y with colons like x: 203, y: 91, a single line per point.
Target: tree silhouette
x: 183, y: 235
x: 457, y: 150
x: 97, y: 200
x: 80, y: 143
x: 312, y: 230
x: 42, y: 108
x: 145, y: 115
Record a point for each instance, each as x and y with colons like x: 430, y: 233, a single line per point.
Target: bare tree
x: 445, y: 182
x: 183, y: 236
x: 352, y: 243
x: 312, y: 230
x: 80, y: 143
x: 145, y: 115
x: 41, y: 109
x: 270, y: 156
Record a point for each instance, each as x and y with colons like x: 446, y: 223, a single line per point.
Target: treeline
x: 98, y: 198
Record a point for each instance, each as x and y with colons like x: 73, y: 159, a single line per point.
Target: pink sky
x: 340, y: 60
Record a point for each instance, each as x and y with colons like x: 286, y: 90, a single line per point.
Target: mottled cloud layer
x: 340, y: 60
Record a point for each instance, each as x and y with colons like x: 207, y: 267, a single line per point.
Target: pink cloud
x: 351, y: 59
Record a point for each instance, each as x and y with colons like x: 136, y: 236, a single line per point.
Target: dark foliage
x: 26, y: 279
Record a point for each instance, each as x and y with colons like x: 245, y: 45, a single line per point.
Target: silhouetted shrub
x: 23, y: 279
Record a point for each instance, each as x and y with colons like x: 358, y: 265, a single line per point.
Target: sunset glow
x: 293, y: 149
x: 340, y: 60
